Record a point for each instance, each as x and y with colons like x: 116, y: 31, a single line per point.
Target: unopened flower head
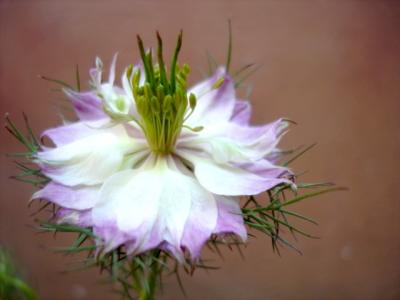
x: 156, y: 164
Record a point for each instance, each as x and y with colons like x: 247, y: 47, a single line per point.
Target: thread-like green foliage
x: 12, y: 287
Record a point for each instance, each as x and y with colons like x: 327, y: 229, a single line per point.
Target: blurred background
x: 332, y: 66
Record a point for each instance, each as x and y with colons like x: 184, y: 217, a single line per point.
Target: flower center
x: 162, y: 101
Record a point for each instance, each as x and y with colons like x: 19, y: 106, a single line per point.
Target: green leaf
x: 57, y: 81
x: 291, y: 213
x: 11, y: 285
x: 74, y: 249
x: 229, y: 54
x: 77, y: 78
x: 65, y: 228
x: 305, y: 196
x: 12, y: 128
x: 242, y: 69
x: 240, y: 80
x: 299, y: 154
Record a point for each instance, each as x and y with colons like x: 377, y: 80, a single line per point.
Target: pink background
x: 332, y: 66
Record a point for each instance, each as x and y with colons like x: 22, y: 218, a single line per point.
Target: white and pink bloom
x: 149, y: 167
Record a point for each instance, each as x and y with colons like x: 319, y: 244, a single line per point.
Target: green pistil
x: 162, y: 102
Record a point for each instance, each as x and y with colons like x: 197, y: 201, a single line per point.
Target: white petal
x: 87, y: 105
x: 225, y: 179
x: 126, y: 85
x: 233, y: 142
x: 213, y: 105
x: 90, y: 160
x: 82, y: 218
x: 80, y: 198
x: 242, y: 112
x: 68, y: 133
x: 221, y: 149
x: 111, y: 75
x: 153, y: 204
x: 96, y: 72
x: 230, y: 219
x: 201, y: 222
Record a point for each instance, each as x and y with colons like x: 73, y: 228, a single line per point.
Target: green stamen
x: 162, y: 102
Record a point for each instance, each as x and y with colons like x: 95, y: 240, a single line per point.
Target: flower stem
x: 146, y: 275
x: 149, y: 293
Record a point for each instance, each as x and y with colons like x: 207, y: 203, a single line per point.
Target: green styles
x: 161, y: 96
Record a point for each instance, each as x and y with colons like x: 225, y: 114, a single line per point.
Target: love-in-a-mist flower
x: 155, y: 164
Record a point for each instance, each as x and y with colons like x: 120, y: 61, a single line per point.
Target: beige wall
x: 332, y: 66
